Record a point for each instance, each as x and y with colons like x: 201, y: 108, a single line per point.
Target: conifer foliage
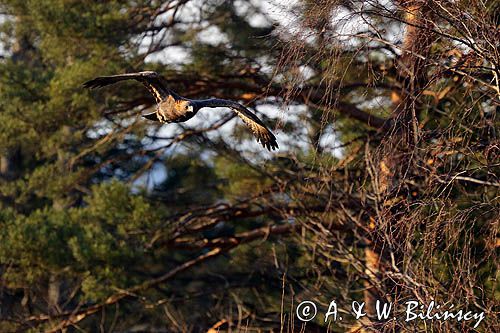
x: 385, y: 185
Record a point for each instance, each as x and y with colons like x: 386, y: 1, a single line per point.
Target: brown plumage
x: 173, y: 108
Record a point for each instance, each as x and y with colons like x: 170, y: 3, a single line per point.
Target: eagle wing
x: 151, y: 80
x: 260, y: 131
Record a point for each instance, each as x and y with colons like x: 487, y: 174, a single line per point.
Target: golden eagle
x: 173, y: 108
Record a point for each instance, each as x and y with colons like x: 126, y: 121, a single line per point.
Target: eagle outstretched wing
x: 155, y: 85
x: 151, y: 80
x: 260, y: 131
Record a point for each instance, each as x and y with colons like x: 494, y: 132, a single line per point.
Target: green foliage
x: 239, y: 178
x: 82, y: 202
x: 99, y: 241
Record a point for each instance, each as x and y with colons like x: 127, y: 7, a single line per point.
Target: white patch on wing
x: 153, y: 91
x: 263, y: 135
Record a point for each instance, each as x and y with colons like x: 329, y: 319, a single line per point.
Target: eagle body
x: 173, y: 108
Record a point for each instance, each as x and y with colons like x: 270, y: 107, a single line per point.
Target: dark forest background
x: 386, y: 184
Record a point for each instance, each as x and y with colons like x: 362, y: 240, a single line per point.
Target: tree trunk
x: 395, y: 161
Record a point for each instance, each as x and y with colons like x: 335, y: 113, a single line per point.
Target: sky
x: 277, y: 11
x: 280, y: 12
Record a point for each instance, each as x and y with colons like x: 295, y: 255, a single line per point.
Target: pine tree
x: 385, y: 184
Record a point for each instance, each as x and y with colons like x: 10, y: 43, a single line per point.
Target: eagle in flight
x: 173, y: 108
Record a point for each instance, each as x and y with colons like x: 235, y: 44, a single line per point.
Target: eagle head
x: 184, y: 106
